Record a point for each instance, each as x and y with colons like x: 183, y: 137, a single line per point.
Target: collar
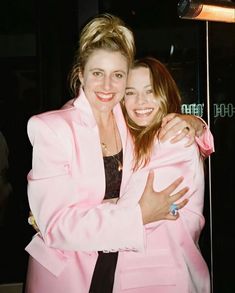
x: 87, y: 117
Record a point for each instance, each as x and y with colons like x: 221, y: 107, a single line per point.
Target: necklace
x: 105, y: 148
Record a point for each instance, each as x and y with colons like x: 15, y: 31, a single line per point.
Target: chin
x: 142, y: 123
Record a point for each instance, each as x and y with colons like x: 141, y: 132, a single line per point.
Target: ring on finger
x: 173, y: 210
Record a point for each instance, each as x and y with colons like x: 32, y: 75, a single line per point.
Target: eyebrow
x: 100, y: 69
x: 131, y: 87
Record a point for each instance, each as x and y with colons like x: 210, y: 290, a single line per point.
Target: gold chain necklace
x: 105, y: 148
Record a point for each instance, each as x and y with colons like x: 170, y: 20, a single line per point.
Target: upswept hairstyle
x: 167, y: 93
x: 106, y: 32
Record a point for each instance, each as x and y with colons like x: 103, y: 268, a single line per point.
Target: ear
x: 80, y: 75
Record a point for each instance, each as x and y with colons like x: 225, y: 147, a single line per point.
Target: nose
x: 107, y: 83
x: 141, y: 99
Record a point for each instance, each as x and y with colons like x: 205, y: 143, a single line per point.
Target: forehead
x: 139, y: 77
x: 107, y: 60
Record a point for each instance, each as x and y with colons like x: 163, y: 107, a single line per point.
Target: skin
x: 142, y: 105
x: 104, y: 82
x: 140, y: 102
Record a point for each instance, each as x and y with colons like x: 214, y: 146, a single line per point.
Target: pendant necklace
x: 105, y: 148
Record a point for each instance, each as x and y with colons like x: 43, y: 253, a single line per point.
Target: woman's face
x: 104, y: 80
x: 140, y: 101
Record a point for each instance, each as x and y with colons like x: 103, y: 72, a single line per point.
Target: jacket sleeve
x: 65, y: 221
x: 206, y: 141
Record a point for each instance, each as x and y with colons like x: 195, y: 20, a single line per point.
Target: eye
x: 97, y: 73
x: 130, y: 93
x: 119, y: 75
x: 149, y: 91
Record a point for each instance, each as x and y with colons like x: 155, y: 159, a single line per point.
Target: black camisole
x: 103, y: 276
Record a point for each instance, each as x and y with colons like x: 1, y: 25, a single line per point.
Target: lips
x: 143, y: 112
x: 105, y: 97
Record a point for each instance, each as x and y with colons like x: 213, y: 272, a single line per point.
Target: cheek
x: 121, y: 85
x: 129, y: 105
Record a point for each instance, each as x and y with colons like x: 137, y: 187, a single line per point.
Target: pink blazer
x: 65, y: 189
x: 171, y: 261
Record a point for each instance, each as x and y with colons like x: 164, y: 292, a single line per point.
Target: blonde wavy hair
x: 106, y: 32
x: 168, y: 96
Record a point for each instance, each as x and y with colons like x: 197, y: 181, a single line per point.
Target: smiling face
x: 140, y: 101
x: 104, y: 80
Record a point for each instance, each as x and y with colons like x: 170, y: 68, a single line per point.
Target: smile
x: 104, y: 97
x: 143, y: 112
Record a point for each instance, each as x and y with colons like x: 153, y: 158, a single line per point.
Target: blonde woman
x: 82, y: 156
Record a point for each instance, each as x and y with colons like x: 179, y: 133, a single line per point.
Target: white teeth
x: 105, y: 96
x: 143, y: 111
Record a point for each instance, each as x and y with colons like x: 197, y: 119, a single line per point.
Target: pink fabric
x: 172, y: 261
x: 65, y: 189
x: 206, y: 141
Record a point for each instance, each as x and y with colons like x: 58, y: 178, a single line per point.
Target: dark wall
x: 37, y: 43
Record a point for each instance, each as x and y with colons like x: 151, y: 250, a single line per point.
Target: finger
x: 179, y: 136
x: 181, y: 204
x: 172, y: 129
x: 149, y: 183
x: 191, y: 140
x: 169, y: 189
x: 178, y: 195
x: 191, y: 137
x: 168, y: 122
x: 175, y: 120
x: 185, y: 132
x: 167, y: 118
x: 172, y: 217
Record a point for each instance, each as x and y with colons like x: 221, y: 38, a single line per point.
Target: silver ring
x: 173, y: 209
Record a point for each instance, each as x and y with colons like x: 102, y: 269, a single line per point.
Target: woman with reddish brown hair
x: 171, y: 261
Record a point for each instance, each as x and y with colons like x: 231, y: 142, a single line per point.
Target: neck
x: 104, y: 120
x: 109, y: 135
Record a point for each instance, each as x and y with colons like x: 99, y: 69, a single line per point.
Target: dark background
x: 37, y: 43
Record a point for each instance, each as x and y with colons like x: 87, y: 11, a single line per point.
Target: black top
x: 103, y: 276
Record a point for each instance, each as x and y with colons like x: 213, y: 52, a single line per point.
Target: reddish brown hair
x: 166, y: 91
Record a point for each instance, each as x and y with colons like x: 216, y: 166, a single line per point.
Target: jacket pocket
x: 154, y: 268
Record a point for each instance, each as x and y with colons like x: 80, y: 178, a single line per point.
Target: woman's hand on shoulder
x: 177, y: 126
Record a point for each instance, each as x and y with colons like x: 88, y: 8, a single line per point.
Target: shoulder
x: 54, y: 117
x: 52, y: 123
x: 175, y: 150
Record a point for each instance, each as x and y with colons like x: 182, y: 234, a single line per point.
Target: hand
x: 178, y: 126
x: 32, y: 222
x: 155, y: 206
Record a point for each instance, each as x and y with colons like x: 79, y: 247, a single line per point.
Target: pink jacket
x: 65, y: 189
x: 171, y: 261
